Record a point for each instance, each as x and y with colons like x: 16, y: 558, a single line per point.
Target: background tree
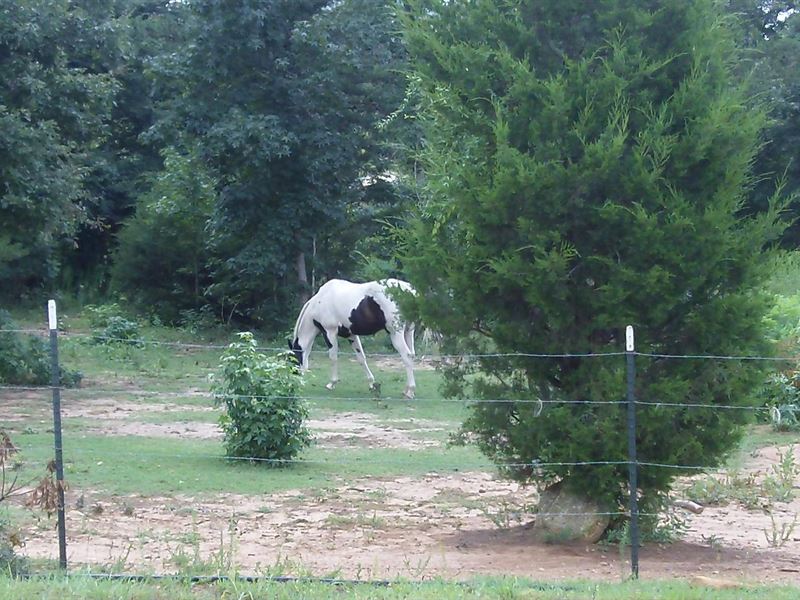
x: 117, y: 39
x: 52, y: 112
x: 162, y: 260
x: 281, y: 98
x: 776, y: 76
x: 585, y: 169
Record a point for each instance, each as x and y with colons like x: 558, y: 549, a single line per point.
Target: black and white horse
x: 349, y: 310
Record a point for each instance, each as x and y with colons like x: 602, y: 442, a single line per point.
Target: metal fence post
x: 630, y: 361
x: 55, y: 379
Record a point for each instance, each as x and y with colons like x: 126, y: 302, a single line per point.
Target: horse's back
x: 337, y: 298
x: 348, y: 289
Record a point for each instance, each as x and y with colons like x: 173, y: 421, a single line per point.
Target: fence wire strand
x: 73, y: 393
x: 468, y: 356
x: 338, y: 461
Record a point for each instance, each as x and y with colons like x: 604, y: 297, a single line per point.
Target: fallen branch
x: 693, y: 507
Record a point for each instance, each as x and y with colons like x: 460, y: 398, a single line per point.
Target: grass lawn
x: 85, y: 588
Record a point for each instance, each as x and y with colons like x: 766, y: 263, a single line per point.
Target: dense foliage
x: 264, y: 418
x: 587, y: 167
x: 282, y: 100
x: 52, y: 113
x: 25, y: 359
x: 163, y: 259
x: 292, y: 114
x: 282, y: 109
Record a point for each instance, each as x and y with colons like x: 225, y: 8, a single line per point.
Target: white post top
x: 629, y: 338
x: 51, y: 314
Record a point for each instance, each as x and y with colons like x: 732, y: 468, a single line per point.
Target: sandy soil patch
x: 455, y: 526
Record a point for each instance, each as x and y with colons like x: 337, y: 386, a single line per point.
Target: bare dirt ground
x: 449, y: 525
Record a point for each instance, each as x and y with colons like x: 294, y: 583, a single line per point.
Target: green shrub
x: 781, y: 392
x: 264, y: 418
x: 25, y: 359
x: 100, y: 314
x: 110, y: 326
x: 786, y: 417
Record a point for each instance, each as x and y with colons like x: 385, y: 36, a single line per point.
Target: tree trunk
x: 302, y: 278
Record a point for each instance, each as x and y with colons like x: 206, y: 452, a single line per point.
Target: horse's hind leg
x: 408, y: 336
x: 399, y: 343
x: 333, y: 353
x: 355, y: 343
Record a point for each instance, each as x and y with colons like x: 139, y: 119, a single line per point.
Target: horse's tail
x: 430, y: 337
x: 300, y: 319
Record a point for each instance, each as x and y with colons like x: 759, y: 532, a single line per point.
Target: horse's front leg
x: 399, y: 343
x: 333, y: 353
x: 355, y: 343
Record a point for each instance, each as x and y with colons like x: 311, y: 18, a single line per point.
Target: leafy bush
x: 100, y: 314
x: 781, y: 392
x: 264, y: 418
x: 111, y: 327
x: 25, y: 359
x: 121, y: 330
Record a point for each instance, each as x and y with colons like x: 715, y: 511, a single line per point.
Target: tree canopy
x: 53, y: 113
x: 281, y: 99
x: 297, y: 111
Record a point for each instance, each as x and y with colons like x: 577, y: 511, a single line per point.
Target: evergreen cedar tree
x: 585, y: 168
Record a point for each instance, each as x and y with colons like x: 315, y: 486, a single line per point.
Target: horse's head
x: 297, y: 351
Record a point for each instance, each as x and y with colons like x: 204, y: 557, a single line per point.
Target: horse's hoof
x: 409, y: 394
x: 330, y: 386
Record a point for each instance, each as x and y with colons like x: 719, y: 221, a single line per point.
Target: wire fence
x: 77, y: 451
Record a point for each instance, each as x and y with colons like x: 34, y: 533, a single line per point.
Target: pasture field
x: 381, y: 495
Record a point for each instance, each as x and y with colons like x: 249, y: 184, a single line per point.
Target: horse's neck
x: 304, y: 329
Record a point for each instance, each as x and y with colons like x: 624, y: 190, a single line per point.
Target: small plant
x: 506, y: 514
x: 119, y: 330
x: 734, y: 486
x: 778, y: 536
x: 778, y: 485
x: 264, y: 418
x: 712, y: 540
x: 100, y: 314
x: 10, y: 537
x: 111, y: 327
